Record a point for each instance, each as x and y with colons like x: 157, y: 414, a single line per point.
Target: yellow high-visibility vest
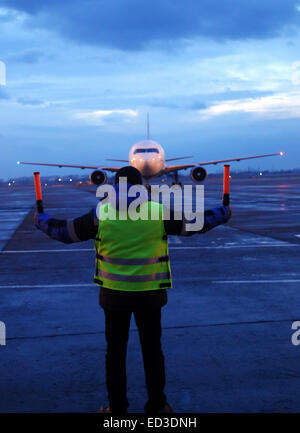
x: 132, y: 255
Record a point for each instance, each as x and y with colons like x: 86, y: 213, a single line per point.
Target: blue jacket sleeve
x: 79, y: 229
x: 54, y: 228
x: 212, y: 218
x: 215, y: 217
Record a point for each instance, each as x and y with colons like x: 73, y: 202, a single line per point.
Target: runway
x: 226, y: 327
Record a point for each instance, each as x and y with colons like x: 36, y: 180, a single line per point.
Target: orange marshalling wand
x: 226, y: 199
x: 38, y: 192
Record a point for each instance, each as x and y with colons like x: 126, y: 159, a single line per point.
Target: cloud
x: 31, y: 6
x: 296, y: 73
x: 7, y: 15
x: 4, y: 94
x: 163, y: 102
x: 28, y: 56
x: 100, y: 117
x: 29, y: 101
x: 240, y: 94
x: 197, y: 105
x: 196, y: 102
x: 133, y: 24
x: 279, y: 106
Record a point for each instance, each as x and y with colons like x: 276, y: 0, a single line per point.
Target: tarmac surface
x: 226, y: 327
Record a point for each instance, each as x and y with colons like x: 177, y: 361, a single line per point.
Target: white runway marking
x: 69, y: 250
x: 46, y: 286
x: 49, y: 286
x: 254, y: 281
x: 174, y: 240
x: 219, y: 247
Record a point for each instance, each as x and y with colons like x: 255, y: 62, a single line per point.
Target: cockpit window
x: 150, y: 150
x: 140, y: 151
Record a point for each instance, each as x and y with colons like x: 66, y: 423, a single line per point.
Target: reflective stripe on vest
x: 132, y: 262
x: 132, y: 255
x: 133, y: 278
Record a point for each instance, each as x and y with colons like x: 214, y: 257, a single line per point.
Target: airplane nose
x: 147, y: 164
x: 144, y: 167
x: 147, y: 169
x: 141, y: 164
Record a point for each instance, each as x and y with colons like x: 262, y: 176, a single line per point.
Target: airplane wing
x: 119, y: 160
x: 112, y: 169
x: 94, y: 167
x: 179, y: 157
x: 170, y: 168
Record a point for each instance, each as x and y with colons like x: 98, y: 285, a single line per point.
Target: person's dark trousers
x: 117, y: 325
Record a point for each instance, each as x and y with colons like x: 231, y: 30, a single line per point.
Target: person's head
x: 132, y: 174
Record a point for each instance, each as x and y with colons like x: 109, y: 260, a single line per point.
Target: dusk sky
x: 220, y: 79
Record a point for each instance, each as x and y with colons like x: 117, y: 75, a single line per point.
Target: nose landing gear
x: 176, y: 179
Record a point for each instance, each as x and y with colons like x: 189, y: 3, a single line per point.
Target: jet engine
x: 98, y: 177
x: 198, y: 174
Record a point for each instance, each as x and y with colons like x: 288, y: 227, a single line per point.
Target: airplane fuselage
x: 148, y: 157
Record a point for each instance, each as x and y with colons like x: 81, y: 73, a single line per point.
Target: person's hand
x: 41, y: 221
x: 230, y: 211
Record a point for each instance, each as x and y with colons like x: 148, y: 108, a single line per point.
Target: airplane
x: 148, y: 157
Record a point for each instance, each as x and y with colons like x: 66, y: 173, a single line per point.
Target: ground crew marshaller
x: 133, y: 272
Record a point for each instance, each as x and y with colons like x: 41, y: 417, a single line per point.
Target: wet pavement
x: 227, y: 325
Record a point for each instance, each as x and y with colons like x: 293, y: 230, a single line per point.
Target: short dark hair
x: 132, y: 174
